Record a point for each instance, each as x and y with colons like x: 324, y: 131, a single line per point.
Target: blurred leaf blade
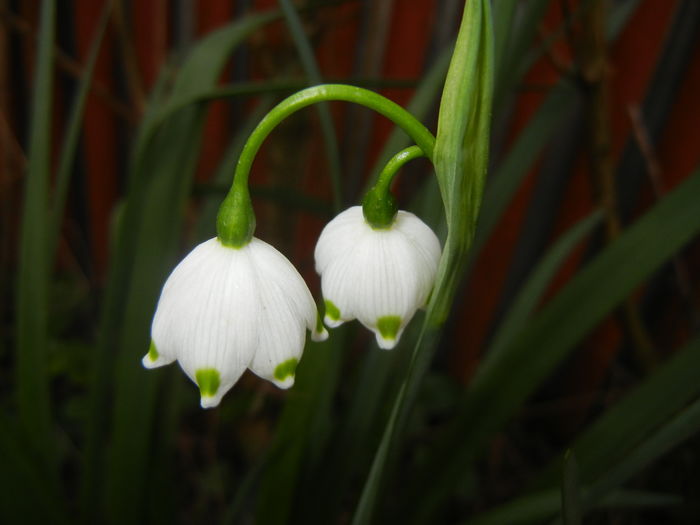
x: 570, y: 492
x: 531, y: 292
x: 161, y: 171
x: 509, y: 174
x: 73, y: 129
x: 308, y: 401
x: 626, y: 423
x: 608, y: 441
x: 543, y: 505
x: 313, y: 73
x: 681, y: 427
x: 33, y: 389
x: 582, y: 303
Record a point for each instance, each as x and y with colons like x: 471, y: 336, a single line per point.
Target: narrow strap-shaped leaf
x: 530, y: 294
x: 25, y: 492
x: 308, y: 61
x: 160, y: 175
x: 540, y: 506
x: 630, y: 420
x: 681, y: 427
x: 34, y: 265
x: 496, y: 393
x: 570, y: 492
x: 508, y: 175
x: 611, y: 438
x: 72, y: 133
x: 309, y: 401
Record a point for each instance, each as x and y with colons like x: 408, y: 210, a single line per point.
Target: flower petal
x: 380, y: 277
x: 208, y: 314
x: 287, y: 311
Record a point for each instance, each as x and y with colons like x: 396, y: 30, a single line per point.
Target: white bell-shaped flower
x: 377, y: 276
x: 225, y: 309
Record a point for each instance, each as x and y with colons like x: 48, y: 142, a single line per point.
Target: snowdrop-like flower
x: 224, y: 309
x: 379, y: 276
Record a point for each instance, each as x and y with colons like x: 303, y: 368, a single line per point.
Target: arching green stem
x: 236, y: 221
x: 379, y: 206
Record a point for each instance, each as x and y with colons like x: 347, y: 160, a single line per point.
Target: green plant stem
x: 236, y: 221
x: 395, y: 164
x: 379, y: 206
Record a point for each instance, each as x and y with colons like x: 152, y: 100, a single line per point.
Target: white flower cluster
x: 226, y: 309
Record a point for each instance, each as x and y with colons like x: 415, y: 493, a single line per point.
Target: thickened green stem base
x: 236, y: 221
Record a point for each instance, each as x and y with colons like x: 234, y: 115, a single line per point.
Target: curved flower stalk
x: 235, y: 302
x: 223, y: 310
x: 379, y: 276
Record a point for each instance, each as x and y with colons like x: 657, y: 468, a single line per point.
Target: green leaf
x: 500, y: 388
x: 161, y: 172
x: 308, y: 60
x: 72, y: 133
x: 300, y: 430
x: 681, y: 427
x: 509, y: 174
x: 540, y: 506
x: 630, y: 420
x: 570, y: 492
x: 25, y: 492
x: 34, y: 266
x: 609, y: 440
x: 514, y: 36
x: 530, y: 294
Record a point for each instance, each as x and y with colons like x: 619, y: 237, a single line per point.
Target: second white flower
x: 377, y: 276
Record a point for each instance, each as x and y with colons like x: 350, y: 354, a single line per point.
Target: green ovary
x: 208, y: 380
x: 332, y: 310
x: 286, y: 369
x: 152, y: 352
x: 389, y: 326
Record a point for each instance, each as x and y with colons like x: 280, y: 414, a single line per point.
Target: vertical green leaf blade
x: 161, y: 172
x: 72, y: 134
x: 34, y: 265
x: 570, y: 492
x: 306, y: 54
x: 628, y: 422
x: 496, y: 393
x: 528, y: 298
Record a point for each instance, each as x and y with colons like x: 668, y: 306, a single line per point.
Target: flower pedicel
x: 235, y: 302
